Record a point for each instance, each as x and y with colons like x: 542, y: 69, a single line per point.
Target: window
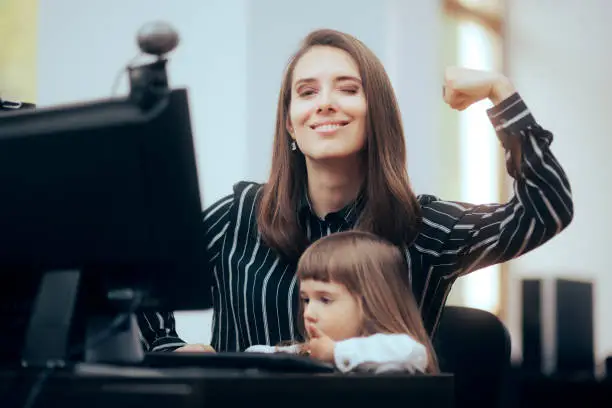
x: 18, y: 50
x: 474, y: 40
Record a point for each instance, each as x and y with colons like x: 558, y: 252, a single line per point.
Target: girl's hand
x: 320, y: 346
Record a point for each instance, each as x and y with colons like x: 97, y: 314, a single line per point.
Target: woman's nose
x: 326, y: 103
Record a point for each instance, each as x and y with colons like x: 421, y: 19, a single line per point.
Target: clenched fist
x: 464, y: 87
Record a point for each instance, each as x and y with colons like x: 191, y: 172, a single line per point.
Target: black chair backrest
x: 474, y: 345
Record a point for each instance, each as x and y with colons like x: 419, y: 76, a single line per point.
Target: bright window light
x: 479, y: 150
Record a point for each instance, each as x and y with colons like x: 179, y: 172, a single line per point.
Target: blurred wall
x: 559, y: 58
x: 231, y: 58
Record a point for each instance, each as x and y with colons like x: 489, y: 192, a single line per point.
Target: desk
x: 97, y: 386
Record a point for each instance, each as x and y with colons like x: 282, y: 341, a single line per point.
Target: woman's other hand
x: 464, y: 87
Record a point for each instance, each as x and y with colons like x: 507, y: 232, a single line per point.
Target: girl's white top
x: 379, y: 353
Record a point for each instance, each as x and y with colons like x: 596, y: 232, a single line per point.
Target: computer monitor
x: 100, y: 206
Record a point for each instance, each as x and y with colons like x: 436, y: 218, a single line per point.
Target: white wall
x: 83, y: 46
x: 231, y: 58
x: 560, y: 61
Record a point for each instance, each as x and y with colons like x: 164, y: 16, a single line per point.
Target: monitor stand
x: 109, y: 339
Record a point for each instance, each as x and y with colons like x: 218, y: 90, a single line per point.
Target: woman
x: 339, y: 163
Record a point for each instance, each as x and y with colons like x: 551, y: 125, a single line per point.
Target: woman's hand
x: 320, y: 345
x: 195, y: 348
x: 464, y: 87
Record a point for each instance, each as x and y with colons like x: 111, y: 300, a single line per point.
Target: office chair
x: 474, y: 345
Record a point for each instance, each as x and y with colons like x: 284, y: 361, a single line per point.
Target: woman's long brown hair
x: 391, y: 209
x: 374, y: 271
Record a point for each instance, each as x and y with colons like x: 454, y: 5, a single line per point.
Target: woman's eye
x: 325, y: 300
x: 306, y: 92
x: 350, y: 90
x: 305, y: 300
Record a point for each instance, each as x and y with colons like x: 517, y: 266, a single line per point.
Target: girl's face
x: 331, y: 308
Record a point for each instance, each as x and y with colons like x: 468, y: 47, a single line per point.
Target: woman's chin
x: 331, y: 156
x: 332, y: 153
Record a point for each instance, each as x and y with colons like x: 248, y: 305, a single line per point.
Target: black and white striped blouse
x: 255, y: 291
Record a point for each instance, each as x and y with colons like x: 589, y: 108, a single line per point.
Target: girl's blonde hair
x: 376, y: 272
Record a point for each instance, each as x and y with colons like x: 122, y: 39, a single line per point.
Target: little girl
x: 357, y: 309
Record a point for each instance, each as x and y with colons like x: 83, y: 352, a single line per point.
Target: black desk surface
x: 99, y: 386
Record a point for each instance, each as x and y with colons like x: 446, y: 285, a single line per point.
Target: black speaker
x: 532, y: 327
x: 557, y: 327
x: 575, y: 352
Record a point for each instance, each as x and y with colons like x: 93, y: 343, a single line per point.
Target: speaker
x: 557, y: 327
x: 575, y: 352
x: 532, y: 326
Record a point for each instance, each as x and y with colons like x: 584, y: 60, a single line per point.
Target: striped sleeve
x: 541, y: 206
x: 157, y: 329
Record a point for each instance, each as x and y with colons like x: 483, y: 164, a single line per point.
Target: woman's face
x: 327, y: 114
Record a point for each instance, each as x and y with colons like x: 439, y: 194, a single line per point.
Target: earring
x: 293, y: 146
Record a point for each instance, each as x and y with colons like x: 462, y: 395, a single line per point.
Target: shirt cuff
x: 346, y: 355
x: 511, y: 116
x: 166, y: 344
